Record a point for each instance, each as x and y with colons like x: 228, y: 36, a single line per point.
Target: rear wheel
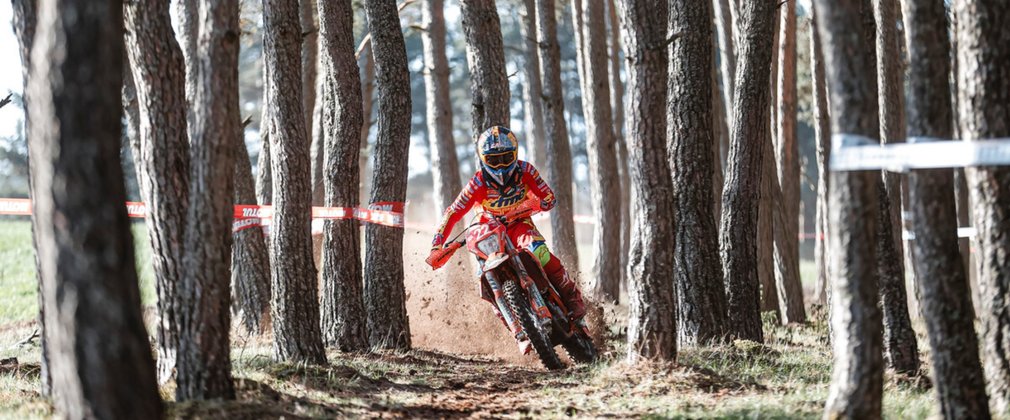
x: 519, y: 304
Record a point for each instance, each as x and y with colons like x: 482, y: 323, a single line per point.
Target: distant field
x: 18, y: 301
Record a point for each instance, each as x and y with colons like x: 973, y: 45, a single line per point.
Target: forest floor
x: 465, y: 365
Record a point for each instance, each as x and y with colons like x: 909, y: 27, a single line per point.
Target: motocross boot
x: 567, y: 288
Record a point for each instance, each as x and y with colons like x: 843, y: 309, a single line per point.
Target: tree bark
x: 766, y: 210
x: 204, y: 363
x: 787, y: 161
x: 964, y: 209
x: 738, y: 233
x: 945, y: 297
x: 559, y: 154
x: 766, y: 231
x: 162, y: 159
x: 24, y: 22
x: 984, y: 98
x: 604, y: 178
x: 652, y: 325
x: 701, y: 299
x: 250, y: 269
x: 822, y: 136
x: 533, y: 90
x: 343, y: 312
x: 310, y: 75
x: 857, y: 374
x: 617, y: 105
x: 485, y: 53
x: 900, y: 344
x: 445, y: 165
x: 100, y: 358
x: 188, y: 26
x: 294, y: 306
x: 385, y: 298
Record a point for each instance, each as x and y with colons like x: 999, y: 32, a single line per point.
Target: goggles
x: 500, y: 160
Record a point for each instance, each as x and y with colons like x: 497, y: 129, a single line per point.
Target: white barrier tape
x: 963, y: 232
x: 859, y: 153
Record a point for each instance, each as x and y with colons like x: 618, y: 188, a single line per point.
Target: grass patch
x: 18, y: 301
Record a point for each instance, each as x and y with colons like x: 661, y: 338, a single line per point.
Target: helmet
x: 498, y: 149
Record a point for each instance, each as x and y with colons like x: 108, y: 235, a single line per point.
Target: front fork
x: 537, y: 303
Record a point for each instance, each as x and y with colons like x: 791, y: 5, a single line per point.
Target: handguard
x: 439, y: 257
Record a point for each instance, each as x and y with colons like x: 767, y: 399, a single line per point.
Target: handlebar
x: 440, y: 256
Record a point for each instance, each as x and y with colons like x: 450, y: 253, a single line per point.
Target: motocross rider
x: 502, y: 184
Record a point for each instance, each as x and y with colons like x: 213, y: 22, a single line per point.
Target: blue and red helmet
x: 498, y: 150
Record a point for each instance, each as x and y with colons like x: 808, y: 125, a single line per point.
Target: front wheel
x: 519, y: 304
x: 580, y: 348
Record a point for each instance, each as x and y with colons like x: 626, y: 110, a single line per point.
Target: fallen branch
x: 31, y: 338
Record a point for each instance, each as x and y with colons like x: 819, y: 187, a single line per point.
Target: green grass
x: 18, y: 300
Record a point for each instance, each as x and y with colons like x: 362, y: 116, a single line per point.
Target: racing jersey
x: 494, y: 200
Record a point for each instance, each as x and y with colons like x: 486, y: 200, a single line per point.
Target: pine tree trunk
x: 701, y: 299
x: 445, y: 165
x: 24, y: 21
x: 766, y: 211
x: 317, y: 153
x: 162, y: 159
x: 187, y: 21
x: 787, y: 181
x: 946, y: 299
x: 822, y: 136
x: 533, y: 106
x: 900, y: 344
x: 367, y: 99
x: 984, y: 98
x: 294, y: 306
x: 204, y: 363
x: 486, y: 56
x: 343, y: 311
x: 766, y: 232
x: 604, y: 178
x: 310, y: 74
x: 264, y: 174
x: 738, y: 233
x: 250, y: 269
x: 652, y: 323
x: 727, y: 61
x: 559, y: 154
x: 385, y: 298
x: 964, y: 209
x: 100, y: 358
x: 617, y: 105
x: 720, y: 136
x: 857, y: 375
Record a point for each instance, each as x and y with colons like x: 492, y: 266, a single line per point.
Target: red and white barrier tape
x: 248, y: 216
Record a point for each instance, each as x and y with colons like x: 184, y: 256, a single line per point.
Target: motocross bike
x: 514, y: 282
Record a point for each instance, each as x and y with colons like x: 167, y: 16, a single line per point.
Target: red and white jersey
x: 498, y: 202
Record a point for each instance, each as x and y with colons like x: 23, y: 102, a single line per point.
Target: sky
x: 10, y: 71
